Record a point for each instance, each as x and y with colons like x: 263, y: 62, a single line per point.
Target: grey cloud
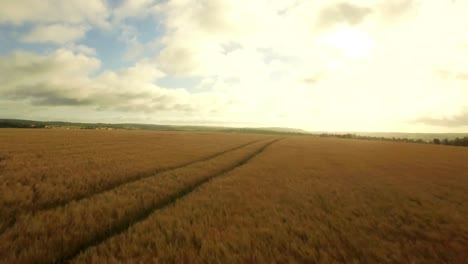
x: 310, y: 80
x: 452, y: 75
x: 45, y: 81
x: 462, y: 75
x: 33, y: 68
x: 343, y: 12
x: 177, y: 60
x: 47, y: 94
x: 161, y: 103
x: 211, y: 17
x: 33, y: 78
x: 60, y: 101
x: 49, y: 11
x: 394, y: 9
x: 14, y: 68
x: 154, y: 102
x: 313, y: 79
x: 44, y: 95
x: 456, y: 121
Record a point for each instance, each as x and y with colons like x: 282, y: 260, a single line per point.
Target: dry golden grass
x: 314, y: 201
x: 41, y: 169
x: 300, y: 199
x: 106, y: 213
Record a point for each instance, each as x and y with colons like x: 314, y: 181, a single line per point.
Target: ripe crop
x: 43, y: 169
x: 261, y: 199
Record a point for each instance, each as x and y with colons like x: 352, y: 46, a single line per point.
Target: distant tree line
x: 6, y: 124
x: 451, y: 142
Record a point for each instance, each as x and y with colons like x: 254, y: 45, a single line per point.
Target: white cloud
x: 354, y: 65
x: 81, y: 49
x: 46, y: 80
x: 55, y: 33
x: 324, y: 64
x: 50, y: 11
x: 65, y: 78
x: 135, y: 8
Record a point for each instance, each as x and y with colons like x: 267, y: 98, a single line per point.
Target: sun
x: 353, y: 43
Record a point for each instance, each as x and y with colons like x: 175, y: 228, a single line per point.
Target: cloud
x: 55, y: 33
x: 342, y: 13
x: 463, y: 76
x: 200, y: 34
x: 54, y: 11
x: 135, y: 8
x: 367, y: 65
x: 395, y: 9
x: 81, y: 49
x: 46, y: 80
x: 43, y: 94
x: 338, y: 65
x: 459, y: 120
x: 65, y: 78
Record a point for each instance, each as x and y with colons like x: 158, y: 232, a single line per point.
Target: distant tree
x: 453, y: 142
x: 465, y: 141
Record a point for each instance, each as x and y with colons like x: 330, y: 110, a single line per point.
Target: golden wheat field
x: 89, y: 196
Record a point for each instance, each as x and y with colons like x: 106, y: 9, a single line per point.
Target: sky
x: 323, y: 65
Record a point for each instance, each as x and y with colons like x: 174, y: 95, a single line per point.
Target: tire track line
x: 117, y: 184
x: 168, y: 201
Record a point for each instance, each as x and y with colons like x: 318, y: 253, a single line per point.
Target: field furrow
x: 138, y: 177
x: 311, y: 200
x: 10, y: 220
x: 195, y: 197
x: 61, y: 233
x: 39, y: 177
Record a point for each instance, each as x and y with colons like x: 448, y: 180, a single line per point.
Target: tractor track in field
x: 117, y: 184
x: 167, y: 201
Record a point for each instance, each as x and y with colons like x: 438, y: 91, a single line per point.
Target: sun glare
x: 353, y: 43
